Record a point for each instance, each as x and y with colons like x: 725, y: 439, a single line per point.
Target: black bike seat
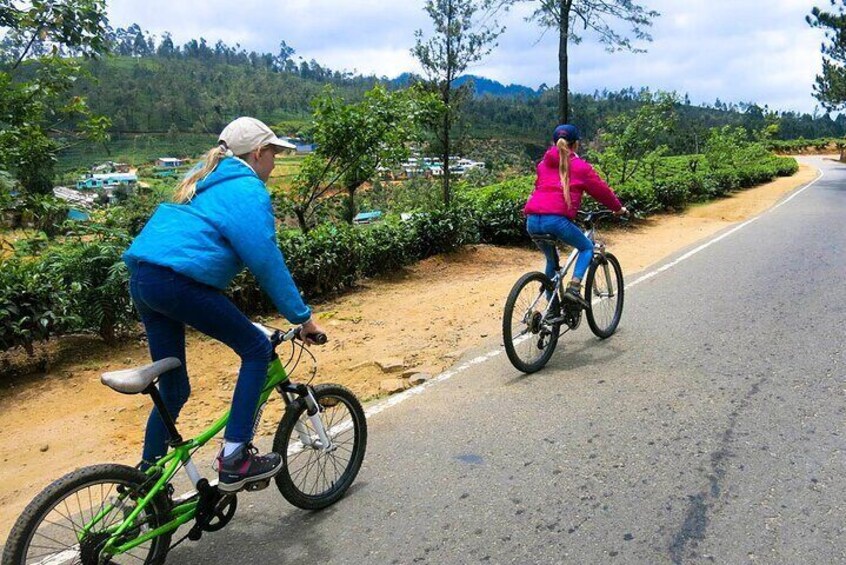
x: 544, y: 238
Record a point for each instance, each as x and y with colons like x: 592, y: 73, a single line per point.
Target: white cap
x: 247, y: 134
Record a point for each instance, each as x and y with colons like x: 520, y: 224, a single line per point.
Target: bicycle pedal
x: 195, y: 533
x: 258, y: 485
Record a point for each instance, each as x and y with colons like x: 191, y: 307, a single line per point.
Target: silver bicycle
x: 536, y: 313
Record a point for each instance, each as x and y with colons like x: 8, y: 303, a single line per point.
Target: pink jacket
x: 548, y: 198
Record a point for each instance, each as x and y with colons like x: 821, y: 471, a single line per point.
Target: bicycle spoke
x: 56, y: 539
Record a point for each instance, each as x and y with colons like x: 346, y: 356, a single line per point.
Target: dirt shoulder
x: 418, y: 320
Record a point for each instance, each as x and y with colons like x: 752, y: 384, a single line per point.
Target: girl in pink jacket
x: 563, y: 177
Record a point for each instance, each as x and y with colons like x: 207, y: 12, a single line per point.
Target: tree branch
x: 26, y: 49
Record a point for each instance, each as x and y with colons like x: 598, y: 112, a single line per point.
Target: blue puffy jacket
x: 226, y: 226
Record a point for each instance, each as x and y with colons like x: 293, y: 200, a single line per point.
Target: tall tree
x: 35, y: 79
x: 595, y: 16
x: 830, y: 87
x: 458, y: 41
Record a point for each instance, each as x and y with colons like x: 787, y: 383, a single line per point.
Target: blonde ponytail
x: 564, y: 168
x: 188, y: 187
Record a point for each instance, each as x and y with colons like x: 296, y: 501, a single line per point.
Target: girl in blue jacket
x: 186, y: 255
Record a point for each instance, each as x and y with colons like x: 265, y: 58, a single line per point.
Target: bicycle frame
x: 180, y: 456
x: 561, y: 273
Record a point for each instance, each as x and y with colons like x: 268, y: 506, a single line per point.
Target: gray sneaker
x: 245, y: 466
x: 574, y: 295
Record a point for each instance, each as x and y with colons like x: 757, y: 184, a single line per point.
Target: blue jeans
x: 568, y: 232
x: 166, y: 302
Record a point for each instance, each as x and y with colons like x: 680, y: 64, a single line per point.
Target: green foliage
x: 634, y: 140
x: 725, y: 147
x: 135, y: 149
x: 131, y: 215
x: 498, y: 210
x: 461, y: 37
x: 354, y: 141
x: 45, y: 213
x: 802, y: 145
x: 91, y: 264
x: 442, y: 230
x: 34, y: 304
x: 36, y: 79
x: 8, y: 185
x: 830, y: 87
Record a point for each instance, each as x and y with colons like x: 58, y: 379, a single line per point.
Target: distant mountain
x: 482, y: 86
x: 485, y: 86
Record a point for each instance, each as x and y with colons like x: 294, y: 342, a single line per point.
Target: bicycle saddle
x: 544, y: 238
x: 133, y: 381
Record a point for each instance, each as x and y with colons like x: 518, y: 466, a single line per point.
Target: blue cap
x: 567, y: 132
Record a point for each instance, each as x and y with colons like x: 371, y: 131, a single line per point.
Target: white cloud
x: 735, y: 50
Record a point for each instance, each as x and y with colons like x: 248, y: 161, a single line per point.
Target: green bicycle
x: 115, y: 513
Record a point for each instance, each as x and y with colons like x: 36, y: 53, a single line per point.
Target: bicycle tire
x: 44, y: 505
x: 605, y: 329
x: 533, y: 327
x: 327, y: 396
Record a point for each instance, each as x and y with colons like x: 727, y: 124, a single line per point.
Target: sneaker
x: 574, y: 294
x: 244, y: 466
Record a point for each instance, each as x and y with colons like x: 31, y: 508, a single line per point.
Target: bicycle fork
x: 322, y: 442
x: 599, y: 252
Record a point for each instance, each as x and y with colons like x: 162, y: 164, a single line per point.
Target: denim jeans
x: 167, y: 301
x: 568, y: 232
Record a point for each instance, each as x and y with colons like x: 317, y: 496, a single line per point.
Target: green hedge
x: 677, y: 182
x: 80, y: 284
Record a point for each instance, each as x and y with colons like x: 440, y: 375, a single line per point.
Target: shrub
x: 34, y: 304
x: 322, y: 260
x: 498, y: 210
x: 442, y: 230
x: 672, y: 195
x: 385, y: 247
x: 91, y: 267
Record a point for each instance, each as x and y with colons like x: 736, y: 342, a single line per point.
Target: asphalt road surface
x: 710, y: 428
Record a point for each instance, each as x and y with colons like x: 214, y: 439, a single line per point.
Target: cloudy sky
x: 735, y: 50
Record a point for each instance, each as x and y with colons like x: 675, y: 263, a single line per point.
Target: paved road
x: 710, y: 428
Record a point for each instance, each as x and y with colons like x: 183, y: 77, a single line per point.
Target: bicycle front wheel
x: 314, y: 477
x: 528, y: 337
x: 73, y: 518
x: 604, y: 289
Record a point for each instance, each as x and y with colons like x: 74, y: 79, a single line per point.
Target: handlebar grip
x: 318, y: 338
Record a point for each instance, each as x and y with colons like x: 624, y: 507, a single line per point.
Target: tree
x: 35, y: 81
x: 636, y: 138
x: 354, y: 141
x: 459, y: 40
x: 565, y: 16
x: 830, y: 87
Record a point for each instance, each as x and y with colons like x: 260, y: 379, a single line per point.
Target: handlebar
x: 591, y: 218
x: 278, y: 337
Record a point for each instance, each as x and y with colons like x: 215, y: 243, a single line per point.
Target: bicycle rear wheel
x: 314, y: 478
x: 604, y: 289
x: 529, y: 340
x: 50, y: 529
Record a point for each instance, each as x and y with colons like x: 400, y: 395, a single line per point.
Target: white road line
x: 420, y: 389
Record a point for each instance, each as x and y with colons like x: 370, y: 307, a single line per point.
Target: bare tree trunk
x: 350, y: 211
x: 563, y: 81
x: 445, y: 156
x: 446, y: 98
x: 301, y: 220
